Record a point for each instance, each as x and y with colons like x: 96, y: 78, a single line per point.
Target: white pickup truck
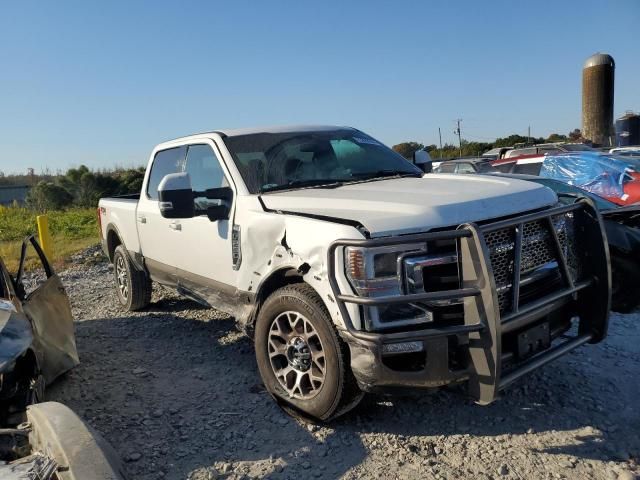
x: 353, y: 270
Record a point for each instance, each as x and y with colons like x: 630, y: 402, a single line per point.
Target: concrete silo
x: 598, y: 76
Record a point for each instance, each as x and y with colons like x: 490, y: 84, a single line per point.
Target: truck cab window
x: 164, y: 163
x: 206, y: 173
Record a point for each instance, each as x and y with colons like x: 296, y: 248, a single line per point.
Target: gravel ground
x: 176, y: 391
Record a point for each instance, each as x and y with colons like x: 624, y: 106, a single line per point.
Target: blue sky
x: 100, y: 83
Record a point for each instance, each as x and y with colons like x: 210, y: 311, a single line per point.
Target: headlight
x: 375, y: 272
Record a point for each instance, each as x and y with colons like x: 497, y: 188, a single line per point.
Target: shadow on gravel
x: 177, y: 392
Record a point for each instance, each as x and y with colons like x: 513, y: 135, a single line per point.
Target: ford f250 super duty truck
x: 353, y: 270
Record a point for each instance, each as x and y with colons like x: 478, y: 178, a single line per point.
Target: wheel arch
x: 113, y: 240
x: 277, y: 279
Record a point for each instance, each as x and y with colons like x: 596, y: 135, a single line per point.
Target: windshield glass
x: 578, y: 147
x: 277, y: 161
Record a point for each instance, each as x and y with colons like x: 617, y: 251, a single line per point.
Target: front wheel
x: 302, y: 360
x: 132, y: 285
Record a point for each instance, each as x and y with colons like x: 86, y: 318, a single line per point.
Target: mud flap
x: 49, y: 311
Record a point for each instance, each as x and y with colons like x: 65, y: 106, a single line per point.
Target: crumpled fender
x: 274, y: 241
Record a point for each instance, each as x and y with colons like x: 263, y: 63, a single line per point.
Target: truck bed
x: 118, y: 214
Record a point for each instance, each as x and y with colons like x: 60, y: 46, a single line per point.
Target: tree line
x: 81, y: 187
x: 475, y: 149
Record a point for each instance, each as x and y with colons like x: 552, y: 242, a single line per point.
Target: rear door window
x: 164, y: 163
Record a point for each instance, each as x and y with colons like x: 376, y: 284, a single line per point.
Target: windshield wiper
x: 386, y: 174
x: 310, y: 183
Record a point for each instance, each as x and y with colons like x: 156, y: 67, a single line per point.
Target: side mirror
x: 175, y: 196
x: 427, y: 167
x: 422, y: 159
x: 217, y: 202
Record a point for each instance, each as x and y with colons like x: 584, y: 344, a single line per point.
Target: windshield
x: 278, y: 161
x: 577, y: 147
x: 564, y: 188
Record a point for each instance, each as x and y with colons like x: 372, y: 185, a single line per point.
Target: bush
x: 47, y: 196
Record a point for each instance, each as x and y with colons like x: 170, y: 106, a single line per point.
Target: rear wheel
x: 302, y: 360
x: 132, y: 285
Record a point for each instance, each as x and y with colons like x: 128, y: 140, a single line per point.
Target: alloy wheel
x: 296, y: 355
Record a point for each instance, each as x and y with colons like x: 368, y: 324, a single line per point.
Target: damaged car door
x: 47, y: 307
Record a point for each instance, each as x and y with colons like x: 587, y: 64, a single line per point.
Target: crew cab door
x: 46, y: 305
x: 205, y: 266
x: 160, y: 241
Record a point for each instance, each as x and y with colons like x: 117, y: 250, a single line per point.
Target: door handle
x: 142, y: 219
x: 175, y: 226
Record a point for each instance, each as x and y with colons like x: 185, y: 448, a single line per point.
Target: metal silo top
x: 599, y: 59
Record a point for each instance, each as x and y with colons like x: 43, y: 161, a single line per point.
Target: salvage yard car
x: 44, y: 441
x: 37, y: 341
x: 354, y: 271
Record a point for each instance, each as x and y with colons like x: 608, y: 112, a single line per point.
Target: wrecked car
x: 356, y: 272
x: 37, y: 341
x: 55, y: 444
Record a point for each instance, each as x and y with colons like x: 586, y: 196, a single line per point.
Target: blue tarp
x: 600, y: 174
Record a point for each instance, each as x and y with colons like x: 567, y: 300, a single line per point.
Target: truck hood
x: 410, y: 205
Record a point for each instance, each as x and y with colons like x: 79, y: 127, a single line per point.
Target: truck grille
x: 538, y: 263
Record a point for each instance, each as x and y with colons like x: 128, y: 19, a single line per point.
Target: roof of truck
x: 233, y: 132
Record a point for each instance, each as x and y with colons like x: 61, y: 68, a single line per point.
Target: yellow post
x: 45, y: 236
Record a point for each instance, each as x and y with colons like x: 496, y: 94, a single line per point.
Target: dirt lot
x: 175, y: 389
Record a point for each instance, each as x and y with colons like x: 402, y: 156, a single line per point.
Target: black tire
x: 339, y: 392
x: 136, y: 294
x: 625, y: 293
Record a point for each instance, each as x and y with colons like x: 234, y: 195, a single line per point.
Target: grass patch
x: 72, y: 230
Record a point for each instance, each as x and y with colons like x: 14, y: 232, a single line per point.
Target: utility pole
x: 440, y: 135
x: 457, y: 132
x: 529, y: 135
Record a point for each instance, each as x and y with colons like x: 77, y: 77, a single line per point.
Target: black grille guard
x: 483, y: 323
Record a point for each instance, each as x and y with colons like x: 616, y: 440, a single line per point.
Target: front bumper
x: 480, y: 351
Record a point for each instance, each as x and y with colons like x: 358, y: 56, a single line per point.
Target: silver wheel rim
x: 296, y: 355
x: 121, y: 278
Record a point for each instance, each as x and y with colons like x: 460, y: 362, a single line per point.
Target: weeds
x: 71, y: 230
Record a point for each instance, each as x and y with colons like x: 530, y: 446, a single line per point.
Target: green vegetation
x: 81, y: 187
x: 72, y: 230
x: 69, y: 199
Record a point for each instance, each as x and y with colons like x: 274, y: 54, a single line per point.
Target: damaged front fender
x: 273, y: 243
